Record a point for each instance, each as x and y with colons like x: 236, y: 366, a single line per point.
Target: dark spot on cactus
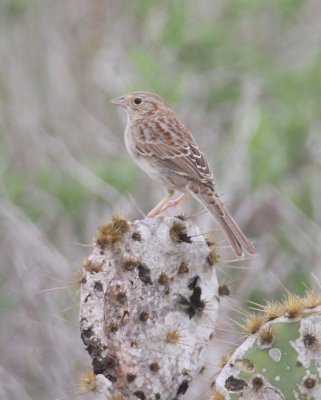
x: 87, y: 298
x: 193, y: 282
x: 101, y: 365
x: 87, y: 333
x: 140, y: 394
x: 121, y: 297
x: 196, y: 300
x: 93, y: 265
x: 183, y: 301
x: 309, y: 382
x: 136, y: 236
x: 144, y: 274
x: 291, y: 315
x: 210, y: 241
x: 98, y: 287
x: 185, y: 238
x: 129, y: 263
x: 298, y: 364
x: 183, y: 268
x: 309, y: 339
x: 111, y: 327
x: 213, y: 257
x: 157, y: 396
x: 194, y: 303
x: 79, y: 278
x: 183, y: 387
x: 202, y: 370
x: 90, y: 349
x: 257, y: 383
x: 110, y: 361
x: 235, y: 385
x: 154, y: 367
x: 111, y: 233
x: 223, y: 290
x: 293, y: 305
x: 163, y: 279
x: 245, y: 364
x: 134, y: 343
x: 112, y: 378
x: 178, y: 233
x: 125, y: 317
x: 101, y: 252
x: 130, y: 377
x: 144, y: 316
x: 98, y: 366
x: 266, y: 336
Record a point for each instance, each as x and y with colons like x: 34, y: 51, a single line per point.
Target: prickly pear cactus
x: 282, y: 359
x: 149, y: 300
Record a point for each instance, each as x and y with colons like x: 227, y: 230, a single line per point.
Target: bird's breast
x: 130, y: 142
x: 146, y: 163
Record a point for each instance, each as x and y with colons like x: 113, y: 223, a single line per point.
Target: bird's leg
x: 161, y: 204
x: 173, y: 203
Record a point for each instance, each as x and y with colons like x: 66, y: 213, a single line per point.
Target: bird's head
x: 139, y: 104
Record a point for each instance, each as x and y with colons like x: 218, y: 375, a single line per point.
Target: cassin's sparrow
x: 166, y: 150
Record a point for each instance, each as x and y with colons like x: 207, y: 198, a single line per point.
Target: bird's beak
x: 119, y: 101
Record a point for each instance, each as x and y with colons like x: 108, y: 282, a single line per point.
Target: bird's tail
x: 233, y: 233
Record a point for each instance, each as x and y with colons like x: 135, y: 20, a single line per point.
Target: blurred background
x: 244, y: 76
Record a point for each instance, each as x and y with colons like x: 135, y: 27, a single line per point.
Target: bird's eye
x: 137, y: 100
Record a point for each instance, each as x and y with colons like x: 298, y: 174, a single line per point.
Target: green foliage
x: 66, y: 190
x: 152, y: 77
x: 14, y: 8
x: 8, y: 301
x: 71, y: 195
x: 119, y: 173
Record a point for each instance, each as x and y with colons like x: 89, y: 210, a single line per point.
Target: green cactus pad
x: 287, y: 367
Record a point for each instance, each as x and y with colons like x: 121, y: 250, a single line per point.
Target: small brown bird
x: 166, y: 150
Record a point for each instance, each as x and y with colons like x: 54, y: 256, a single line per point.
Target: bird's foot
x: 173, y: 203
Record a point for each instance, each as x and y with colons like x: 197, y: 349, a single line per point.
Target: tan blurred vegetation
x: 245, y: 77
